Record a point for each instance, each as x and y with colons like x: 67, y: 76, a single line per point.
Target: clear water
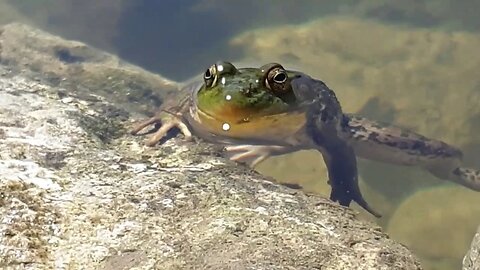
x: 411, y: 62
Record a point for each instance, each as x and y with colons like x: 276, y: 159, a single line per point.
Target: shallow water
x: 414, y: 63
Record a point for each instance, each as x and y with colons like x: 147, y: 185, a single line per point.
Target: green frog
x: 261, y: 112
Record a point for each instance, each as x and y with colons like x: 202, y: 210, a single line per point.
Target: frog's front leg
x: 167, y: 121
x: 172, y: 114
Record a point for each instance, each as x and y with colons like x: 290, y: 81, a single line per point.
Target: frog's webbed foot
x: 255, y: 154
x: 469, y: 178
x: 168, y: 121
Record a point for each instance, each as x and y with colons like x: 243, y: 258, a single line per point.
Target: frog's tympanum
x: 266, y: 111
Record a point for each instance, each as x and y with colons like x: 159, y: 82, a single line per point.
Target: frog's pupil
x: 280, y: 78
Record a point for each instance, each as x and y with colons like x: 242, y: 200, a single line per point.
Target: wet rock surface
x: 77, y: 192
x: 471, y: 261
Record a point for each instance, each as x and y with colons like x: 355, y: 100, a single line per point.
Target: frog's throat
x: 275, y: 127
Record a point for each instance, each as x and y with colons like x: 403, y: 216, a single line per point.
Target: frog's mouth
x: 271, y: 127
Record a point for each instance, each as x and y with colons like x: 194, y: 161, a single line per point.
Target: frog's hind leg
x: 343, y: 178
x: 469, y: 178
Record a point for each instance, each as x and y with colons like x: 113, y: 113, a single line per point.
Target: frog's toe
x: 160, y: 133
x: 166, y: 127
x: 140, y: 126
x: 257, y: 161
x: 184, y: 130
x: 253, y: 154
x: 247, y: 157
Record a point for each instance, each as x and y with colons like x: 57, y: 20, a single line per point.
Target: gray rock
x: 77, y: 192
x: 471, y: 261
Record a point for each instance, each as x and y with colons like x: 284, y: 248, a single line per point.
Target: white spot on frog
x: 223, y: 80
x: 228, y: 97
x: 226, y: 126
x: 219, y: 68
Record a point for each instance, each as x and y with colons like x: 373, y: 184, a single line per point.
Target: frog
x: 259, y: 112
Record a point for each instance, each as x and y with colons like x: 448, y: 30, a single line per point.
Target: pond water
x: 413, y: 63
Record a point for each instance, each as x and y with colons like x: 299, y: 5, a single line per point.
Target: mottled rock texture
x: 471, y: 261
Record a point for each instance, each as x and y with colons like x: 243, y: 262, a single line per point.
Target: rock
x: 437, y: 223
x: 471, y: 261
x: 77, y: 192
x: 310, y: 179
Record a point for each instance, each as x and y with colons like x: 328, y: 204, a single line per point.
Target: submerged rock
x: 78, y: 193
x: 471, y: 261
x: 443, y: 230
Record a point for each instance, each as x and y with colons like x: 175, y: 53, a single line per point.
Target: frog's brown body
x: 266, y: 111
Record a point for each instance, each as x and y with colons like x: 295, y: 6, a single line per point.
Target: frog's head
x: 251, y: 102
x: 229, y: 92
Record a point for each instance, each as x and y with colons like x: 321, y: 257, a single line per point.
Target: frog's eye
x: 276, y: 79
x: 224, y: 67
x: 279, y: 76
x: 210, y: 75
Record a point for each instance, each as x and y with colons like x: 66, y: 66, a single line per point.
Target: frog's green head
x: 229, y: 91
x: 243, y: 102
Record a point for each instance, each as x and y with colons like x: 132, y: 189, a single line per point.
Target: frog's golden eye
x: 279, y: 76
x: 210, y: 76
x: 276, y: 78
